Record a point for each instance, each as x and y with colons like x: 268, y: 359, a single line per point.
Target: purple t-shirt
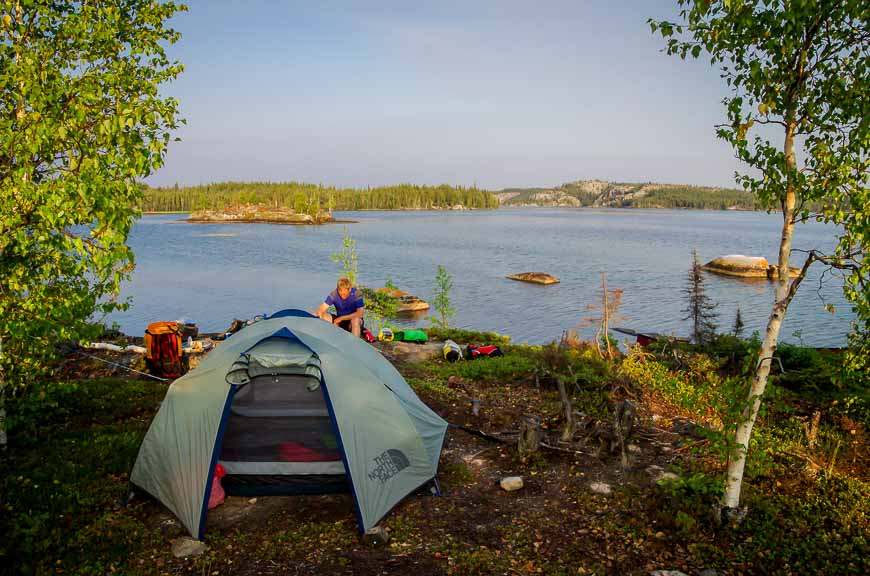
x: 351, y: 304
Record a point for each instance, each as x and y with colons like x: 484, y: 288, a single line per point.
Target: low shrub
x: 467, y: 336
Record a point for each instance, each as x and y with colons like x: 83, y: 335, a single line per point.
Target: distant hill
x: 627, y: 195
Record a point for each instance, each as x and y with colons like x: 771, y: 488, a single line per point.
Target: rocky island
x: 258, y: 214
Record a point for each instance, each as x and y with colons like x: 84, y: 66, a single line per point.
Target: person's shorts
x: 346, y: 324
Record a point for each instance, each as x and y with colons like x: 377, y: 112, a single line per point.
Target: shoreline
x: 505, y: 207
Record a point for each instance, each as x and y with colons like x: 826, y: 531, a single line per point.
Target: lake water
x: 213, y: 273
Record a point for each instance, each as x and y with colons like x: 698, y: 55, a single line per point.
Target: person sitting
x: 349, y: 308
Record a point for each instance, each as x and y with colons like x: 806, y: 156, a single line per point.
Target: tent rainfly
x: 290, y: 405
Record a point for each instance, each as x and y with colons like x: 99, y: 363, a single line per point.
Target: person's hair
x: 343, y: 283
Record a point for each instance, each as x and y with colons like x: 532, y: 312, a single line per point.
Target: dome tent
x: 290, y: 404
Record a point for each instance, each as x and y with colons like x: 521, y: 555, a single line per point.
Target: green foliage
x: 311, y: 198
x: 821, y: 529
x: 71, y: 446
x: 380, y: 308
x: 697, y: 391
x: 737, y: 329
x: 511, y: 367
x: 441, y: 301
x: 580, y: 368
x: 798, y: 86
x: 690, y: 498
x: 347, y: 258
x: 456, y: 473
x: 467, y: 336
x: 82, y: 120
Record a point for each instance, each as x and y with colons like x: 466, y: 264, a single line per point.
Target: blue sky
x: 494, y: 93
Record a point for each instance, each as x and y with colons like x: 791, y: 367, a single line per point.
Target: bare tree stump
x: 623, y: 425
x: 568, y: 430
x: 530, y: 435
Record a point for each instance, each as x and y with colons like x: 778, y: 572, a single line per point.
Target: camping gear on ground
x: 163, y: 353
x: 452, y: 351
x: 647, y: 338
x: 290, y: 405
x: 411, y: 336
x: 385, y: 335
x: 472, y: 351
x: 234, y: 327
x: 188, y: 329
x: 217, y: 495
x: 368, y: 336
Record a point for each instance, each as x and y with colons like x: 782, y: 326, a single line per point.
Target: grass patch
x: 71, y: 448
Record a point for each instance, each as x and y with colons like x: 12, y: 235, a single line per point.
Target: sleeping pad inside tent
x: 290, y: 405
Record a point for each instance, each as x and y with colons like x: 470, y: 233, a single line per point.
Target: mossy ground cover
x: 73, y: 444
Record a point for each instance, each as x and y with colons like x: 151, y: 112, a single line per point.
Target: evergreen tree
x: 738, y: 323
x: 699, y: 309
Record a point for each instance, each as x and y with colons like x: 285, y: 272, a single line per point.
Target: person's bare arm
x: 323, y: 308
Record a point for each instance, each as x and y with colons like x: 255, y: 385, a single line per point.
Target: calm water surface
x: 184, y: 270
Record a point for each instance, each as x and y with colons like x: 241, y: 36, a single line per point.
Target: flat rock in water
x: 534, y: 277
x: 742, y: 266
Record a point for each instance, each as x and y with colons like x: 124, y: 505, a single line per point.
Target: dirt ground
x: 556, y: 523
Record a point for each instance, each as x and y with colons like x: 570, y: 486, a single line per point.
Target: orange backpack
x: 163, y: 355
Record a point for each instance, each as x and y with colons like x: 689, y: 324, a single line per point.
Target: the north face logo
x: 388, y: 464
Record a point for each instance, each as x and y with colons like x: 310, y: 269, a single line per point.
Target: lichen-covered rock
x: 534, y: 277
x: 377, y: 536
x: 185, y: 546
x: 405, y: 302
x: 745, y: 267
x: 511, y: 483
x: 601, y: 488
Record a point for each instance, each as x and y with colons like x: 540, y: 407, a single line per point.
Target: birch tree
x: 797, y: 110
x: 81, y: 121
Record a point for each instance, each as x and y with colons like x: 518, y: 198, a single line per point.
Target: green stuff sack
x: 411, y: 336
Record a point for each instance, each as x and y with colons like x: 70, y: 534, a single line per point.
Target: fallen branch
x: 115, y: 347
x: 565, y: 450
x: 692, y: 445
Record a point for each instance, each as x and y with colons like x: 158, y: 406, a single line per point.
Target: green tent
x: 290, y: 405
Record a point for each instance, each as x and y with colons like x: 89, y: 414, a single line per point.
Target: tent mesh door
x: 280, y: 419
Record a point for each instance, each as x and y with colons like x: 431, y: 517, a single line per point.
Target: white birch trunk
x: 737, y: 459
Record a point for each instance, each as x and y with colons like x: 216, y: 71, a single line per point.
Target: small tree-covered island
x: 286, y: 444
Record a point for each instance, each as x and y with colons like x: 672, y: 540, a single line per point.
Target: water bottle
x: 189, y: 342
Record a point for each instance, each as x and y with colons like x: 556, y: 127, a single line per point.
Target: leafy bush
x: 467, y: 336
x: 506, y: 369
x: 71, y: 448
x: 822, y: 530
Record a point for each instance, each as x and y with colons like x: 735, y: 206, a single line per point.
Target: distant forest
x: 693, y: 197
x: 311, y: 198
